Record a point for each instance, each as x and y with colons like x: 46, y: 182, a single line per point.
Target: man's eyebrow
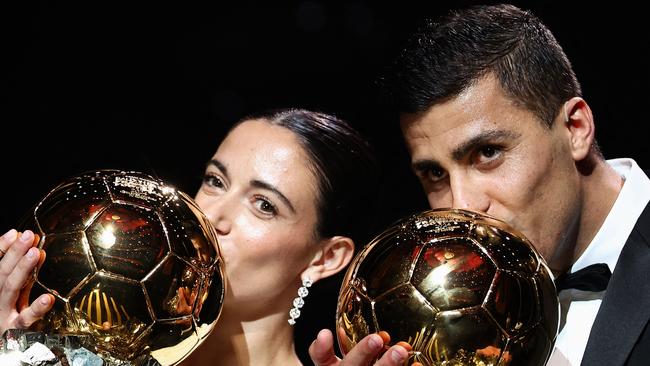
x: 216, y: 163
x: 483, y: 138
x: 264, y: 185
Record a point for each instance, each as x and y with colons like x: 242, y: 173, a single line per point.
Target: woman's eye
x: 265, y: 206
x: 213, y: 181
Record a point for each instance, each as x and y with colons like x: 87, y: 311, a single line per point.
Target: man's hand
x: 369, y: 348
x: 18, y: 258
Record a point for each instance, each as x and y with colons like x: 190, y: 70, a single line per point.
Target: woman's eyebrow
x: 264, y: 185
x: 216, y: 163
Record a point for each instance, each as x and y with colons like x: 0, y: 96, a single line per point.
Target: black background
x: 153, y: 86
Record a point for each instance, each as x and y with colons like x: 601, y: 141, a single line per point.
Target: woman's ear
x: 335, y: 254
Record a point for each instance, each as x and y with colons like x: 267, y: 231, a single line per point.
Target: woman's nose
x: 217, y: 211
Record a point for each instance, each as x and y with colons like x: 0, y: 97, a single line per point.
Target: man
x: 493, y: 118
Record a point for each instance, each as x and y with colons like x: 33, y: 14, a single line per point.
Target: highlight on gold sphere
x: 133, y: 263
x: 461, y: 287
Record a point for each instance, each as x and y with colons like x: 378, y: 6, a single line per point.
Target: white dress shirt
x: 579, y: 308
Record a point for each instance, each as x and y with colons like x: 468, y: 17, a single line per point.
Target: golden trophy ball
x: 133, y: 263
x: 461, y: 287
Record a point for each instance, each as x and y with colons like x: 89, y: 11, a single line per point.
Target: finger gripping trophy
x: 133, y: 263
x: 461, y: 287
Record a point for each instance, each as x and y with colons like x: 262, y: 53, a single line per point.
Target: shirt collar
x: 606, y: 246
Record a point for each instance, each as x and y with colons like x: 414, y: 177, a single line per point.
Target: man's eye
x: 488, y: 156
x: 489, y: 151
x: 435, y: 174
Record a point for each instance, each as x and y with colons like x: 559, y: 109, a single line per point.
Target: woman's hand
x: 369, y: 348
x: 18, y: 258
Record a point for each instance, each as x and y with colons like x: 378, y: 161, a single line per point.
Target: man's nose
x: 468, y: 194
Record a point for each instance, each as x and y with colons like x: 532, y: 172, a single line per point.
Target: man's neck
x: 600, y: 190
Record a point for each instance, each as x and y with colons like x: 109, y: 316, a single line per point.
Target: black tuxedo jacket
x: 620, y: 334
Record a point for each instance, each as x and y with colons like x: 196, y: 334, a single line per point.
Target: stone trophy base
x: 21, y: 347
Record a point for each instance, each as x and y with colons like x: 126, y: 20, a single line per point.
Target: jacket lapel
x: 625, y: 309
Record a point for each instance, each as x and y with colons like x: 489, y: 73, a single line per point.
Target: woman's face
x: 260, y: 195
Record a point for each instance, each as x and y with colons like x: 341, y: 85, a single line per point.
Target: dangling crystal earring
x: 298, y: 302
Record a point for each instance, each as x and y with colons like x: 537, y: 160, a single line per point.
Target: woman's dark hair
x: 343, y: 163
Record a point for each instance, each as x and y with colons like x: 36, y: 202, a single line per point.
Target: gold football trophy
x: 461, y: 287
x: 133, y: 263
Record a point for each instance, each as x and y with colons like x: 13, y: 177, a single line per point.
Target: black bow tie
x: 591, y: 278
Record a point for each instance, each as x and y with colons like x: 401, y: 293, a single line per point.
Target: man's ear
x: 579, y: 123
x: 335, y: 254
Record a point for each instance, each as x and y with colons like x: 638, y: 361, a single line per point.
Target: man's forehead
x: 444, y: 126
x: 480, y: 98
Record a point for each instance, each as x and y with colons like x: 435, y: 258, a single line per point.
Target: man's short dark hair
x: 447, y: 55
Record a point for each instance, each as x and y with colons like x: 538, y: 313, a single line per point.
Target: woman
x: 286, y: 191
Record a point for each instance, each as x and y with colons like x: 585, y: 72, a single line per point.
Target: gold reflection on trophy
x: 134, y: 266
x: 461, y: 287
x: 102, y: 310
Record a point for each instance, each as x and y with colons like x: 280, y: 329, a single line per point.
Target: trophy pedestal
x: 20, y: 347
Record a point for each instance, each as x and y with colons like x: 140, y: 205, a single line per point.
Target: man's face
x: 482, y: 151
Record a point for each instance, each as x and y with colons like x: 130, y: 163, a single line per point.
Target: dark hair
x: 446, y: 56
x: 343, y: 163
